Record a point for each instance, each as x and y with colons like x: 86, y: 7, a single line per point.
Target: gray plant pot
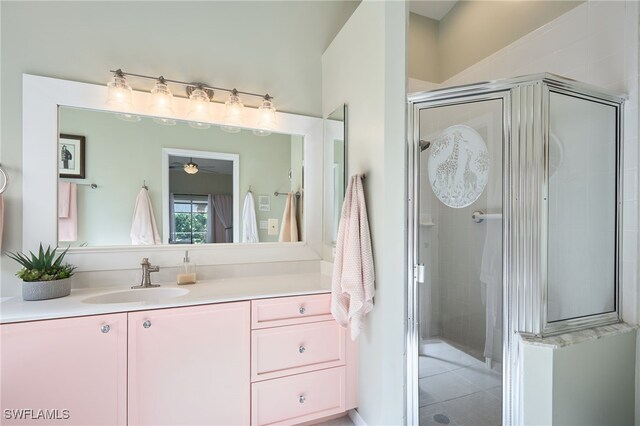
x: 43, y: 290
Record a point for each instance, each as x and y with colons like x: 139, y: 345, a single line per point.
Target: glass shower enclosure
x: 506, y: 181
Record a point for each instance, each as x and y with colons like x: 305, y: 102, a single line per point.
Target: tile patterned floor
x: 458, y: 388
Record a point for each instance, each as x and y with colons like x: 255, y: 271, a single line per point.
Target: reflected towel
x: 143, y: 229
x: 289, y: 228
x: 352, y: 286
x: 67, y: 211
x: 249, y: 223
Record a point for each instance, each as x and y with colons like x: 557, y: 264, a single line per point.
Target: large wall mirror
x: 335, y: 146
x: 197, y: 180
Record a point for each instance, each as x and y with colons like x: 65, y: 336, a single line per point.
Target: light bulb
x: 199, y: 109
x: 162, y: 103
x: 234, y: 111
x: 266, y: 118
x: 119, y: 95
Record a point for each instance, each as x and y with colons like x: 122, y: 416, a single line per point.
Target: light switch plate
x: 263, y: 224
x: 273, y: 227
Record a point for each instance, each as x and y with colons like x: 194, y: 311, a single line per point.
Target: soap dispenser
x: 186, y: 271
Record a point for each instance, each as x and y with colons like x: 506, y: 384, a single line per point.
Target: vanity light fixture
x: 199, y: 97
x: 199, y: 100
x: 119, y: 95
x: 162, y: 102
x: 266, y: 117
x: 233, y: 113
x: 190, y: 167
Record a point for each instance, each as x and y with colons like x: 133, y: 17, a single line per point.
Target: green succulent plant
x: 43, y: 267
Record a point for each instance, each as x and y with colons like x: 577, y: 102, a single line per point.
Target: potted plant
x: 44, y: 276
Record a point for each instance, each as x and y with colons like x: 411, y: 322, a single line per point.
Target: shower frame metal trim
x: 516, y: 319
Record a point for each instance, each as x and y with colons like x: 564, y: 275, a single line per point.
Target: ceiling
x: 434, y: 9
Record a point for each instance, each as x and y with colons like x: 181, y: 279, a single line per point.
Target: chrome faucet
x: 147, y: 269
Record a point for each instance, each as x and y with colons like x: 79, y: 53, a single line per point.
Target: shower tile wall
x: 597, y: 43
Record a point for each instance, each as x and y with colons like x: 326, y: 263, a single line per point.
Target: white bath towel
x: 67, y: 211
x: 249, y: 223
x: 143, y: 229
x: 289, y: 228
x: 352, y: 286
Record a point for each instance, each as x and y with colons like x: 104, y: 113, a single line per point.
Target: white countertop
x: 14, y: 309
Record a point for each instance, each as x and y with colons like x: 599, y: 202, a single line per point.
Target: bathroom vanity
x: 274, y: 358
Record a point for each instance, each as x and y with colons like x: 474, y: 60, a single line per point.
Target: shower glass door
x: 459, y: 242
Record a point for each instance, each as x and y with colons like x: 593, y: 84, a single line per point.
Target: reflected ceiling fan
x: 191, y: 167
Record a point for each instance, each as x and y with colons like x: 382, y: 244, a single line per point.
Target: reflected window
x: 189, y: 219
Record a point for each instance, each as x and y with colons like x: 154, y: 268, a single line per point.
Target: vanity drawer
x: 296, y: 349
x: 290, y: 310
x: 300, y: 398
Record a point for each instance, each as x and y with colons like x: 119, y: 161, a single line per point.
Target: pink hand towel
x: 67, y: 211
x: 352, y: 286
x: 289, y: 228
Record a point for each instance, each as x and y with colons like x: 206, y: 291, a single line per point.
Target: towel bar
x: 297, y: 194
x: 479, y: 216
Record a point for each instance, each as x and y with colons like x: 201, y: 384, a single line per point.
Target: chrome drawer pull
x: 105, y: 328
x: 301, y: 349
x: 301, y: 399
x: 302, y: 310
x: 146, y: 324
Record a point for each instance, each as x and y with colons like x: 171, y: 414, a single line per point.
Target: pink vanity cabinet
x: 190, y: 365
x: 263, y: 362
x: 75, y: 369
x: 303, y: 364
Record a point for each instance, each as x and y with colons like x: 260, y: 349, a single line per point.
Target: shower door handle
x: 418, y: 273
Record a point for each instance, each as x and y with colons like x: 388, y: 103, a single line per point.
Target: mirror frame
x: 41, y: 97
x: 328, y: 211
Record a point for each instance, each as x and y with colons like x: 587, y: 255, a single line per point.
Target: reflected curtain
x: 172, y: 218
x: 212, y: 221
x: 221, y: 218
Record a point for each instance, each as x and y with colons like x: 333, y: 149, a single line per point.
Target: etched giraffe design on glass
x: 458, y: 166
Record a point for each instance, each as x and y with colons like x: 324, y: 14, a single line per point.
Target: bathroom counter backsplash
x: 14, y: 309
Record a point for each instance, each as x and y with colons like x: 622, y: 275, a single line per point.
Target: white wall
x: 365, y: 68
x: 258, y: 46
x: 582, y: 384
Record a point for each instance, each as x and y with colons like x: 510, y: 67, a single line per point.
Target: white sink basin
x: 138, y: 295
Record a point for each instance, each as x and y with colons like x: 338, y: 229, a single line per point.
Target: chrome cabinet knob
x: 105, y: 328
x: 301, y: 399
x: 146, y: 324
x: 301, y: 349
x: 302, y: 310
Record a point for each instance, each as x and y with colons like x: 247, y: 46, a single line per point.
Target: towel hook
x: 144, y: 184
x: 6, y: 180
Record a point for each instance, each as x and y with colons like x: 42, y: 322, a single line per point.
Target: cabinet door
x: 65, y: 371
x: 190, y: 366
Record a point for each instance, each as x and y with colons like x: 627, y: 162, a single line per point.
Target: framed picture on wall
x: 71, y: 156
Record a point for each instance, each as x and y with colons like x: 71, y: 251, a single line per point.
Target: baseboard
x: 355, y: 418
